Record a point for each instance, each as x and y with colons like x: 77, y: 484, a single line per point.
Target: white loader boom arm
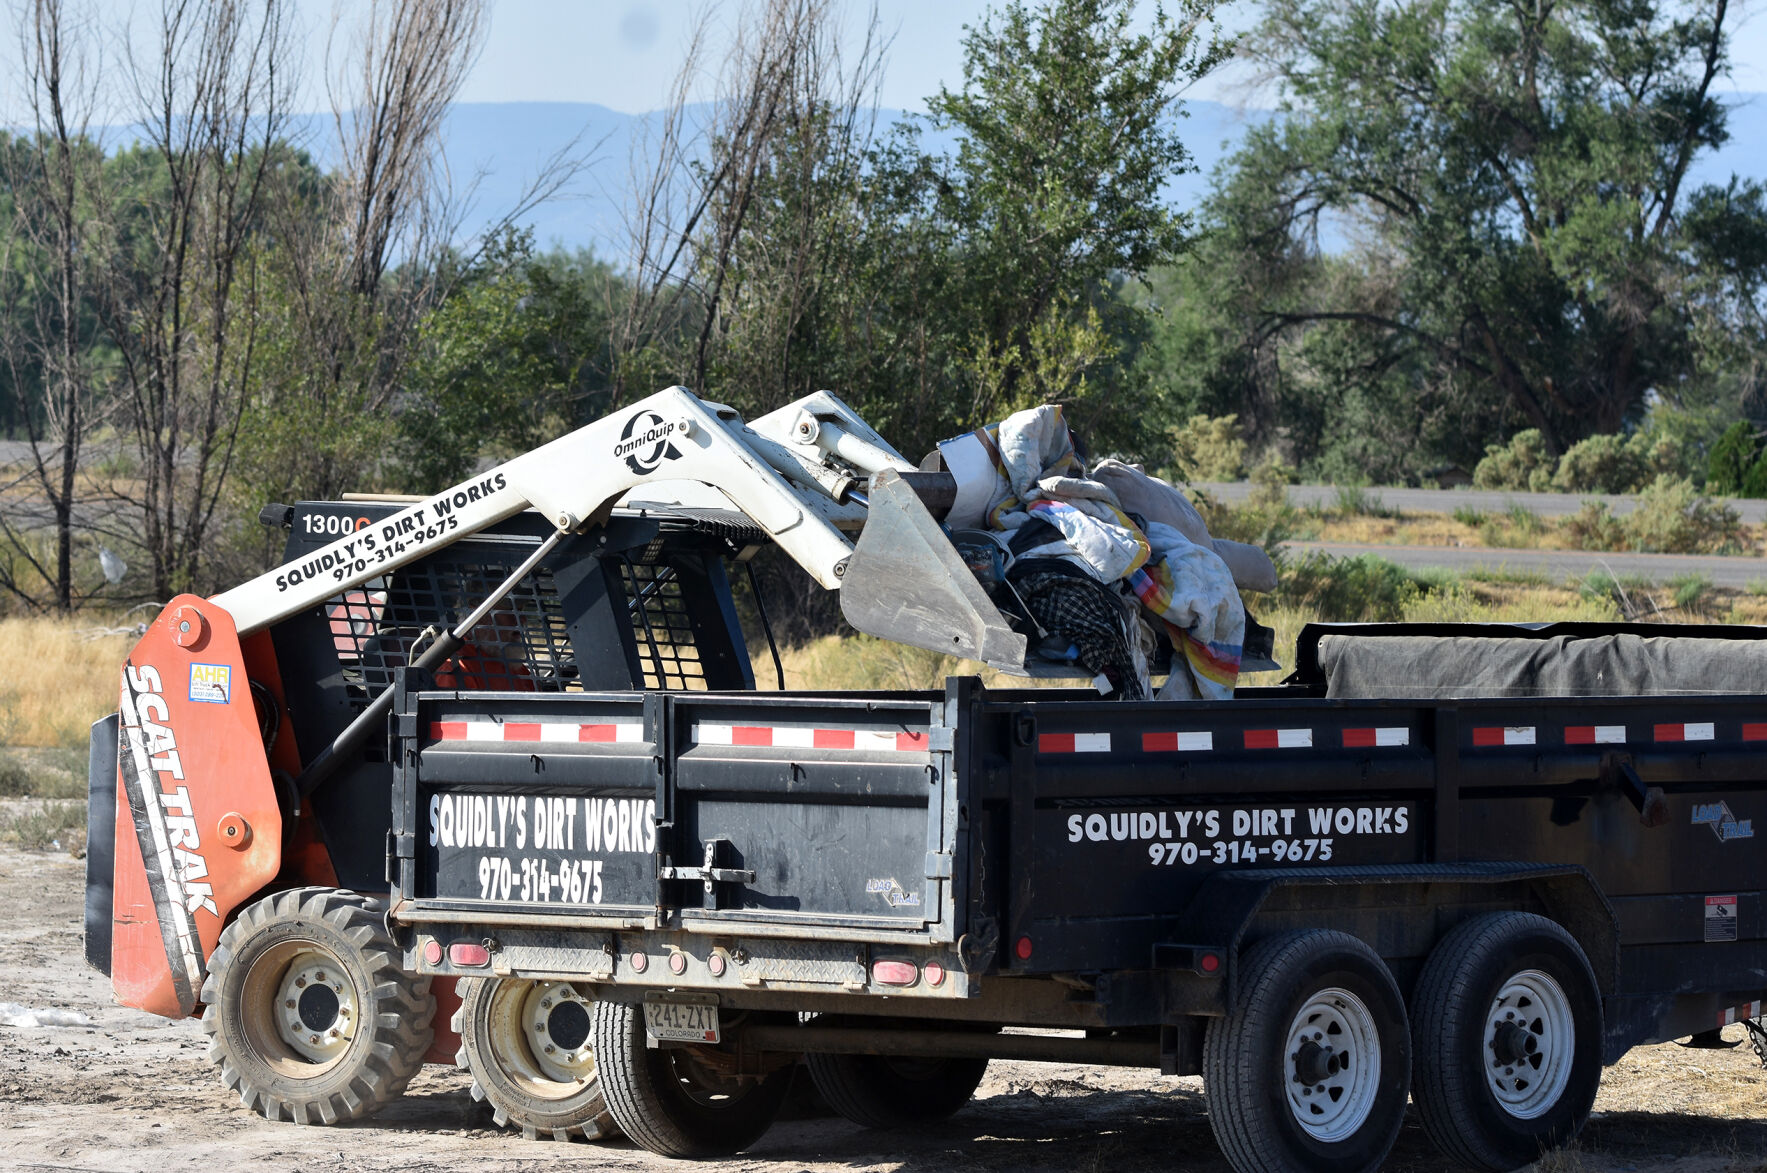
x: 795, y: 473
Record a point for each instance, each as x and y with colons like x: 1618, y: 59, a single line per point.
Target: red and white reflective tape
x: 1595, y: 735
x: 1279, y: 739
x: 1691, y: 731
x: 1073, y: 743
x: 552, y: 731
x: 1503, y: 735
x: 1738, y: 1013
x: 1179, y: 742
x: 802, y: 737
x: 1363, y: 738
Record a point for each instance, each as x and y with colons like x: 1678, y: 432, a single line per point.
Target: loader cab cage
x: 642, y: 602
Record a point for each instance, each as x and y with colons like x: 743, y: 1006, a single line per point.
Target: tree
x: 45, y: 275
x: 1507, y: 184
x: 940, y: 291
x: 509, y: 361
x: 178, y: 295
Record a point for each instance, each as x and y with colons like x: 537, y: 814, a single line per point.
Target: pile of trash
x: 1101, y: 563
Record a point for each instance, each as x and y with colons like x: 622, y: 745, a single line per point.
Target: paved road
x: 1557, y: 564
x: 1754, y: 512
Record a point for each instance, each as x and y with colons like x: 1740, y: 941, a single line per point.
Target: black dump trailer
x: 1467, y: 865
x: 1462, y: 865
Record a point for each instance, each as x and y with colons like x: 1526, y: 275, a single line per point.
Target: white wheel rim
x: 316, y: 1012
x: 1331, y: 1064
x: 1528, y: 1044
x: 554, y: 1025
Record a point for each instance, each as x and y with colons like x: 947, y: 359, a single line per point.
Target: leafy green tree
x: 515, y: 356
x: 1511, y: 183
x: 940, y: 291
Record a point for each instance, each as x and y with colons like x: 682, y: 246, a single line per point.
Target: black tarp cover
x: 1423, y: 666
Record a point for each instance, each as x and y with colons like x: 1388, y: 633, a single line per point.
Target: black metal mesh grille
x: 523, y: 645
x: 520, y: 646
x: 666, y: 652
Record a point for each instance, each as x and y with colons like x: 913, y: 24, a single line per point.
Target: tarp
x: 1422, y: 667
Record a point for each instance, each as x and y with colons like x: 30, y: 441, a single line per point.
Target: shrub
x: 15, y: 780
x: 1594, y: 527
x: 1467, y: 515
x: 1363, y: 588
x: 1209, y: 448
x: 1689, y: 588
x: 41, y: 775
x: 1732, y: 458
x: 1355, y: 501
x: 1605, y: 464
x: 1523, y: 463
x: 45, y: 828
x: 1673, y: 518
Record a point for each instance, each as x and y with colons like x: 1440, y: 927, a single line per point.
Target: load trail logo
x: 645, y: 442
x: 1724, y: 824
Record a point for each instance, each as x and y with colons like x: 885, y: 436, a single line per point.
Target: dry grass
x: 58, y: 680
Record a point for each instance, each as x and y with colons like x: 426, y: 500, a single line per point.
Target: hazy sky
x: 623, y: 54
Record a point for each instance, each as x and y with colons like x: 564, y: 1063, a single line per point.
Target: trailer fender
x: 1233, y: 906
x: 198, y: 829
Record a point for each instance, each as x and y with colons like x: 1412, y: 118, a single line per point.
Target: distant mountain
x: 503, y: 145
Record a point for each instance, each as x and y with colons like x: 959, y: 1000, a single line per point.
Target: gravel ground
x: 131, y: 1092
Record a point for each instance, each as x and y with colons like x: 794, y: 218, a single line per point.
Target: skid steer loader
x: 240, y: 838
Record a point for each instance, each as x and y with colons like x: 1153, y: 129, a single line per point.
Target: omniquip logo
x: 645, y: 442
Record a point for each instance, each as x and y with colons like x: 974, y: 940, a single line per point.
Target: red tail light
x: 468, y: 953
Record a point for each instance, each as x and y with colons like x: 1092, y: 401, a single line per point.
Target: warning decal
x: 1720, y: 918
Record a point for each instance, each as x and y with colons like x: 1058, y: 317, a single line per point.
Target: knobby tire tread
x: 593, y: 1120
x: 400, y: 1034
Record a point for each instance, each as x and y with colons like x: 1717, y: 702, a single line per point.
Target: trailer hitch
x: 1617, y: 770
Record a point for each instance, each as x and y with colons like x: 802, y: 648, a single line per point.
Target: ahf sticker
x: 1720, y: 918
x: 211, y: 683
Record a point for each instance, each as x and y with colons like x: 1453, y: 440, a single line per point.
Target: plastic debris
x: 13, y: 1014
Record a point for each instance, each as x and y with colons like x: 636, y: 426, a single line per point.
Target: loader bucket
x: 906, y: 583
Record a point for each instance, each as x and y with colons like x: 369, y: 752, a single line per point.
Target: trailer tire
x: 1308, y: 1073
x: 883, y: 1091
x: 310, y: 1015
x: 1518, y: 975
x: 664, y: 1101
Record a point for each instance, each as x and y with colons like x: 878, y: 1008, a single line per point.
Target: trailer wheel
x: 1509, y: 1031
x: 527, y: 1046
x: 1309, y: 1072
x: 882, y: 1091
x: 673, y: 1101
x: 310, y: 1016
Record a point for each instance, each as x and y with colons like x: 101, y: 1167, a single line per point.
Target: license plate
x: 682, y: 1020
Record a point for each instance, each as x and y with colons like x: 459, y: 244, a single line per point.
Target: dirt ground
x: 131, y: 1092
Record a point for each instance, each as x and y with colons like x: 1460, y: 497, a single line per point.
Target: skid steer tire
x: 309, y: 1015
x: 505, y: 1027
x: 881, y: 1091
x: 664, y: 1101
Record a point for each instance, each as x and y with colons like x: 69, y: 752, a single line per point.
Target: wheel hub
x: 1333, y: 1064
x: 316, y: 1011
x: 555, y: 1023
x: 1530, y: 1041
x: 1315, y: 1064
